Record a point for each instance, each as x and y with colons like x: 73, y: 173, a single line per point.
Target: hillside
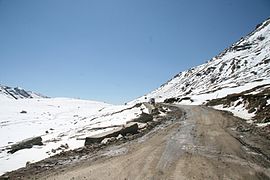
x: 243, y: 66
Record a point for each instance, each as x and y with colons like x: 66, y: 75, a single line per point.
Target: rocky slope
x: 246, y: 61
x: 241, y: 67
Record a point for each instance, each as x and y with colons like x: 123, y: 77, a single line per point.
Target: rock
x: 171, y: 100
x: 243, y: 129
x: 155, y: 112
x: 64, y: 146
x: 119, y: 137
x: 131, y: 128
x: 23, y: 112
x: 4, y: 178
x: 26, y: 144
x: 112, y: 139
x: 105, y: 141
x: 144, y: 118
x: 27, y: 163
x: 142, y: 125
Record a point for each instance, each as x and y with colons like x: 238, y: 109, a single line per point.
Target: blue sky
x: 115, y: 50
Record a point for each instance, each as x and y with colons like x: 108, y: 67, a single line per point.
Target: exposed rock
x: 243, y: 129
x: 131, y: 128
x: 23, y: 112
x: 142, y: 125
x: 119, y: 137
x: 26, y: 144
x: 105, y: 141
x: 255, y: 102
x: 4, y: 178
x: 64, y: 146
x: 53, y: 151
x: 175, y: 100
x: 171, y: 100
x: 155, y: 112
x: 144, y: 118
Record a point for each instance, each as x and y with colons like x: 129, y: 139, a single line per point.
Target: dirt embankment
x: 201, y: 144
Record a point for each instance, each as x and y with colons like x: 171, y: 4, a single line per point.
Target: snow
x: 263, y: 124
x: 42, y: 115
x: 268, y: 102
x: 65, y: 120
x: 238, y: 111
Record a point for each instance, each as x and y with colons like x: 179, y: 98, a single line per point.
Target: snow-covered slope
x: 54, y: 119
x: 245, y: 65
x: 17, y: 93
x: 62, y: 123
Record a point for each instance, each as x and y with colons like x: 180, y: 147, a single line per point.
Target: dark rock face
x: 171, y: 100
x: 4, y: 178
x: 26, y: 144
x: 128, y: 129
x: 22, y: 92
x: 144, y: 118
x: 132, y: 129
x: 175, y: 99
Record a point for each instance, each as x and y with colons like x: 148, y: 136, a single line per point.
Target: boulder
x: 131, y: 128
x: 119, y: 137
x: 144, y: 118
x: 4, y: 178
x: 105, y: 140
x: 26, y: 144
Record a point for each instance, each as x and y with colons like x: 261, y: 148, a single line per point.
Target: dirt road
x: 200, y: 145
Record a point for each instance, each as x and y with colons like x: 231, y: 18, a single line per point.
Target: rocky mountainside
x: 241, y: 67
x: 245, y: 62
x: 17, y: 93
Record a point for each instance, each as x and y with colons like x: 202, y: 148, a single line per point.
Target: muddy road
x: 202, y: 144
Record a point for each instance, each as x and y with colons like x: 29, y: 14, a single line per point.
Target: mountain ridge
x: 18, y: 93
x: 247, y: 60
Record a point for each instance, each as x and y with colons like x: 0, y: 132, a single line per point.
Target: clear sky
x: 115, y: 50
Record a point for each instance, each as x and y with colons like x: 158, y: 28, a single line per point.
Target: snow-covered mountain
x: 243, y: 66
x: 17, y: 93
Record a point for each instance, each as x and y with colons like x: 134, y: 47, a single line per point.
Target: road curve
x: 200, y: 145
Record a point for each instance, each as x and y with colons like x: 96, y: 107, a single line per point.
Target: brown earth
x: 202, y: 144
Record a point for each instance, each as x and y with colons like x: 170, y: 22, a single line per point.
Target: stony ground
x: 193, y: 142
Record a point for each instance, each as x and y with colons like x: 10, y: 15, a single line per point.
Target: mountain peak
x: 18, y: 93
